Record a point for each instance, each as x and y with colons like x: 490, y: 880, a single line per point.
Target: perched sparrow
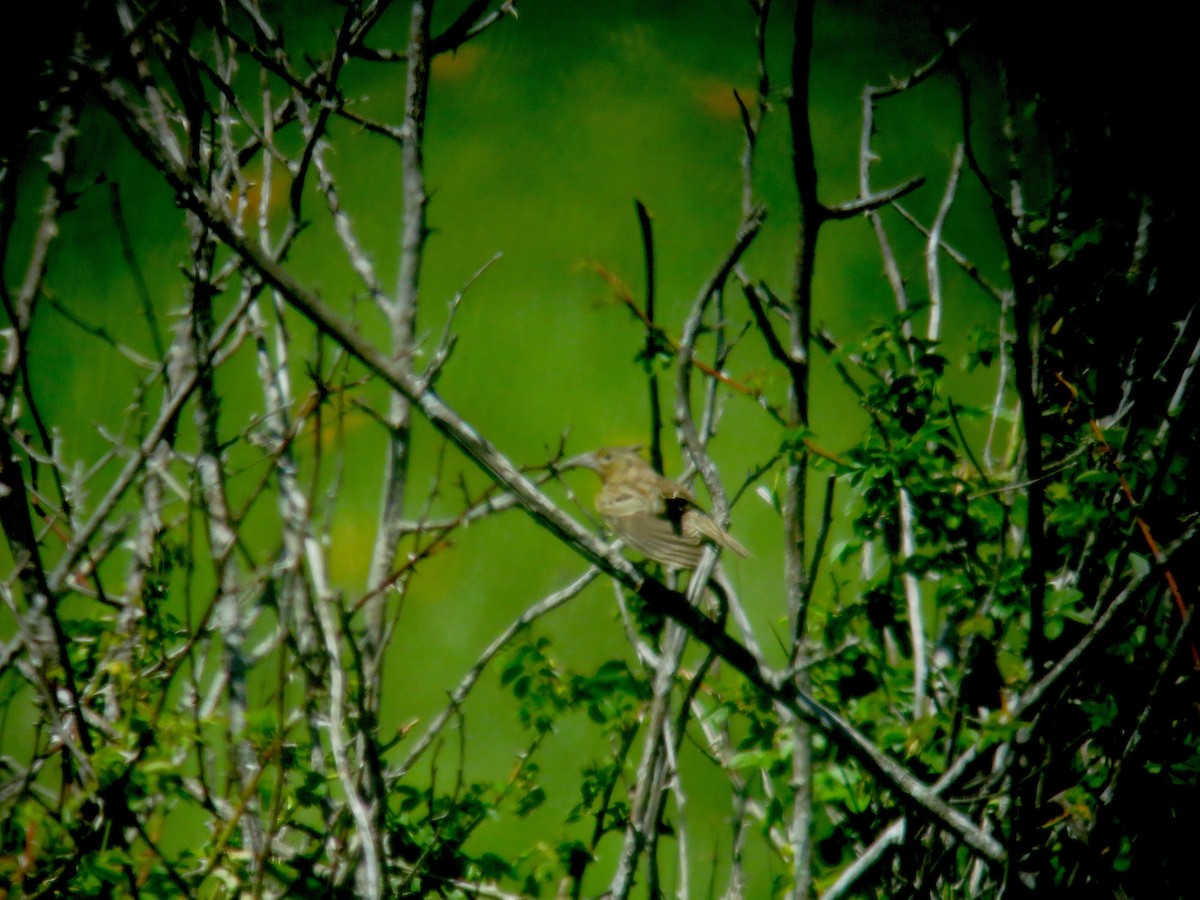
x: 651, y: 513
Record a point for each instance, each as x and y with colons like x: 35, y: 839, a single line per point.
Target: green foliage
x: 545, y: 691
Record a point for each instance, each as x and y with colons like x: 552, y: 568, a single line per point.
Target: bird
x: 652, y: 514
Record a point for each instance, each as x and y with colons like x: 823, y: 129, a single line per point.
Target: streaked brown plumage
x: 652, y: 514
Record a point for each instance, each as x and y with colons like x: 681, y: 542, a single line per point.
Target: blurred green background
x: 540, y: 136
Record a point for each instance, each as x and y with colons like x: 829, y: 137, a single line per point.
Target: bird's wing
x: 658, y: 539
x: 616, y: 500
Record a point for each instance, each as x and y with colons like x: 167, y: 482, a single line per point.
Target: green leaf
x: 754, y: 759
x: 531, y: 801
x: 792, y: 438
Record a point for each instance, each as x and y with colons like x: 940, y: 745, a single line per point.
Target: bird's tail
x: 719, y: 535
x: 730, y: 542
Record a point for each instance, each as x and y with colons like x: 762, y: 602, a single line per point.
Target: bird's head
x: 609, y: 462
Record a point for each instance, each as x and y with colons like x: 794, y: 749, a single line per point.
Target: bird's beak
x: 582, y: 461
